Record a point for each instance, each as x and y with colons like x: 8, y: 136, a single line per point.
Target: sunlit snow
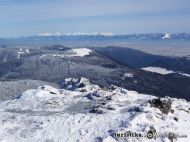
x: 47, y: 114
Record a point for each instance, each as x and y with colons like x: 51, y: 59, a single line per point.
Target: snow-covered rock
x: 75, y: 83
x: 85, y: 112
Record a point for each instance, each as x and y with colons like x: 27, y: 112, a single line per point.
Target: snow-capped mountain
x: 76, y: 34
x: 112, y: 35
x: 97, y: 39
x: 85, y: 112
x: 166, y: 36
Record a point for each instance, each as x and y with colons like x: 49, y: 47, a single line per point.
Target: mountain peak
x: 166, y: 36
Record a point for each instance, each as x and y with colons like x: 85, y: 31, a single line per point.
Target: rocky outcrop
x: 163, y: 105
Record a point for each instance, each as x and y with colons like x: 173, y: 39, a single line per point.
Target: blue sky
x: 29, y: 17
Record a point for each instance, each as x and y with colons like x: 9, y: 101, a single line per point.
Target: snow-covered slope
x: 163, y: 71
x: 84, y: 112
x: 81, y: 52
x: 158, y: 70
x: 76, y: 52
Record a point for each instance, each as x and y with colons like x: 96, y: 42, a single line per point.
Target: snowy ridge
x: 76, y: 34
x: 85, y: 112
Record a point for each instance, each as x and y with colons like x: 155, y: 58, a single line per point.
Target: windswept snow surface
x: 163, y: 71
x: 47, y: 114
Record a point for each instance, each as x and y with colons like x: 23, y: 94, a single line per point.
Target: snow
x: 127, y: 75
x: 109, y: 139
x: 163, y: 71
x: 76, y: 34
x: 81, y: 52
x: 90, y: 34
x: 184, y: 74
x: 44, y: 34
x: 77, y: 52
x: 21, y: 52
x: 158, y: 70
x: 27, y: 51
x: 166, y: 36
x: 103, y: 33
x: 48, y: 114
x: 49, y: 34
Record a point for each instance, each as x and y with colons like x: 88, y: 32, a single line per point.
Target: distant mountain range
x: 96, y: 39
x: 155, y: 36
x: 149, y: 35
x: 76, y: 34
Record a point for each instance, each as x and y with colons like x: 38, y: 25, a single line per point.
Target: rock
x: 102, y: 107
x: 112, y: 87
x: 172, y: 111
x: 102, y: 102
x: 110, y: 107
x: 52, y: 92
x: 176, y: 119
x: 184, y: 110
x: 99, y: 95
x: 163, y: 105
x: 97, y: 109
x: 74, y: 83
x: 43, y: 87
x: 135, y: 109
x: 83, y: 90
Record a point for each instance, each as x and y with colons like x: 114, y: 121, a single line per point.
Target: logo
x: 150, y: 135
